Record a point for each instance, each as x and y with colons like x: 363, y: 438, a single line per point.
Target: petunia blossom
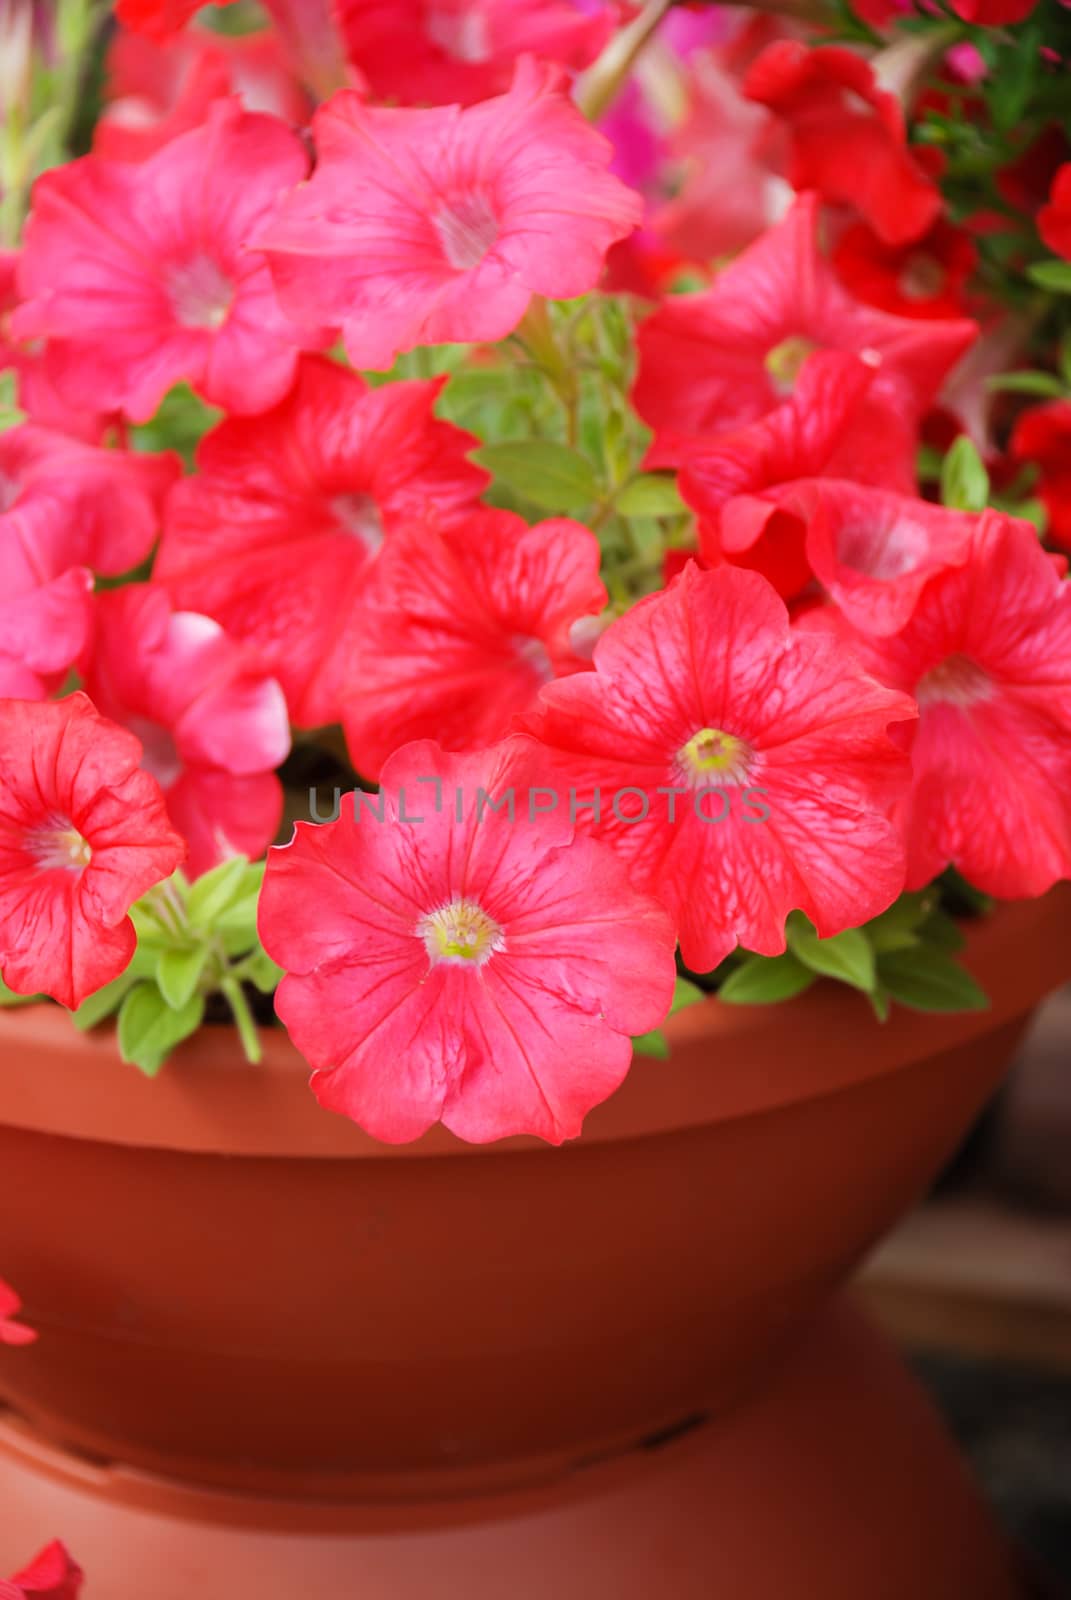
x: 52, y: 1575
x: 432, y: 226
x: 159, y: 19
x: 140, y: 275
x: 83, y: 834
x: 725, y: 357
x: 733, y: 480
x: 1054, y: 219
x: 1042, y: 435
x: 157, y: 90
x: 12, y: 1331
x: 457, y: 631
x: 67, y: 510
x: 481, y: 966
x: 741, y: 772
x: 275, y: 533
x: 926, y: 277
x: 441, y: 51
x: 848, y: 140
x: 987, y: 656
x: 874, y: 551
x: 38, y: 397
x: 212, y: 724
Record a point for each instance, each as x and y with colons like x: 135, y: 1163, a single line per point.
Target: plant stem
x: 600, y: 86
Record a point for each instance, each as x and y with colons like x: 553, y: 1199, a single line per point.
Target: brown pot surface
x: 222, y: 1294
x: 836, y: 1484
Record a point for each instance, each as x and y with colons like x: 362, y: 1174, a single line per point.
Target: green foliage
x: 195, y: 941
x: 552, y: 476
x: 907, y: 955
x: 964, y: 480
x: 180, y: 423
x: 655, y: 1043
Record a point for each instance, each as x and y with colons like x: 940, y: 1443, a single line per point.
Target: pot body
x: 238, y: 1289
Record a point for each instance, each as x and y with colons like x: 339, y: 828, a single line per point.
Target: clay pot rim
x: 57, y: 1081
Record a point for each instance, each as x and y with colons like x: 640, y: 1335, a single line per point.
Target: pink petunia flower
x: 275, y: 533
x: 425, y: 227
x: 83, y: 834
x: 444, y: 51
x: 847, y: 136
x: 212, y: 724
x: 751, y: 773
x: 52, y: 1575
x: 38, y: 397
x: 158, y: 90
x: 457, y: 631
x: 987, y: 655
x: 67, y: 509
x: 717, y: 360
x: 481, y: 967
x: 11, y: 1331
x: 140, y: 275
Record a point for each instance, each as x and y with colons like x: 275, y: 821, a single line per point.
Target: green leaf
x: 847, y: 956
x: 1052, y: 275
x: 685, y: 993
x: 897, y: 928
x: 262, y: 972
x: 927, y: 979
x: 650, y: 495
x: 964, y: 480
x: 879, y: 999
x: 97, y: 1006
x: 8, y: 997
x: 764, y: 980
x: 942, y: 931
x: 216, y: 892
x: 550, y: 475
x: 149, y: 1029
x: 653, y: 1044
x: 1065, y: 358
x: 178, y: 972
x: 1039, y: 383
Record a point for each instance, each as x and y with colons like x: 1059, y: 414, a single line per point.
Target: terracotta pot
x: 237, y: 1289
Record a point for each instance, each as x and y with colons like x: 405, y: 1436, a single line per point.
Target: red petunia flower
x: 1054, y: 219
x: 83, y: 834
x: 274, y: 534
x: 874, y: 551
x: 52, y: 1575
x: 717, y: 360
x: 140, y: 275
x: 480, y: 966
x: 457, y: 631
x: 157, y: 90
x: 924, y: 278
x: 67, y: 510
x: 848, y: 140
x: 12, y: 1332
x: 993, y: 13
x: 1043, y: 435
x: 751, y: 773
x: 441, y: 51
x: 987, y: 655
x: 212, y: 724
x: 733, y: 480
x: 159, y: 19
x: 425, y: 227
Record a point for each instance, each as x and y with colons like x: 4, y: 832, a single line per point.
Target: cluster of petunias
x: 829, y: 690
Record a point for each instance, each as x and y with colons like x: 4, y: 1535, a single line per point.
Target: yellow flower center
x: 712, y: 754
x: 60, y: 846
x: 460, y: 934
x: 785, y: 361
